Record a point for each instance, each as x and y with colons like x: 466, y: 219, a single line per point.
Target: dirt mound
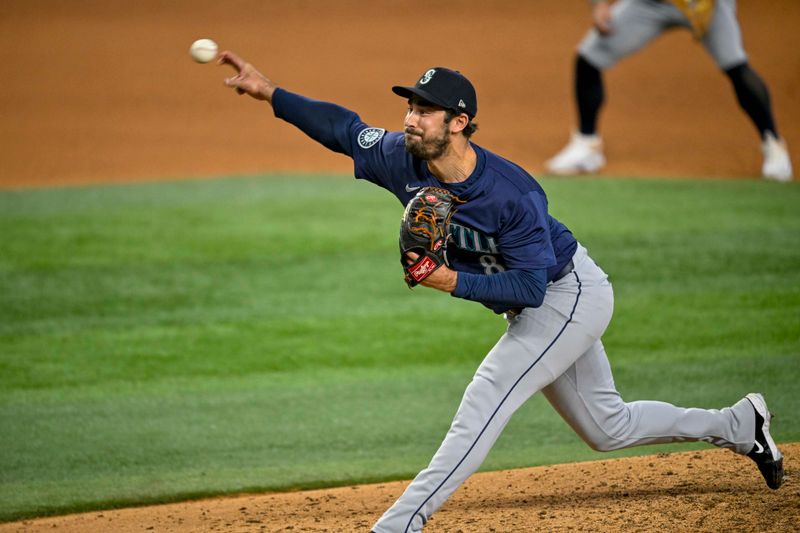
x: 710, y: 490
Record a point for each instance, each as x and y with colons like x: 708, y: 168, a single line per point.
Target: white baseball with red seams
x: 203, y: 50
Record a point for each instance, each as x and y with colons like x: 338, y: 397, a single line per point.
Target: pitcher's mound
x: 712, y: 490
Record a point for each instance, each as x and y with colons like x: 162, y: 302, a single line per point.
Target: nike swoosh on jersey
x: 409, y: 188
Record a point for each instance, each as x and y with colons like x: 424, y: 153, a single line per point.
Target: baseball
x: 203, y: 50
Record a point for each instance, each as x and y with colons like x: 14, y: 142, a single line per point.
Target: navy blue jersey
x: 503, y: 223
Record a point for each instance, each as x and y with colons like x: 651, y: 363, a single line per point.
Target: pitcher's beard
x: 427, y: 150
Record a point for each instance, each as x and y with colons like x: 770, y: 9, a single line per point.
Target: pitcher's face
x: 427, y: 136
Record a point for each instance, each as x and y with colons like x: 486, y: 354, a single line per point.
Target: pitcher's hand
x: 443, y: 278
x: 247, y: 79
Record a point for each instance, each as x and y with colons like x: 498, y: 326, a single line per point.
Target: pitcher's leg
x: 540, y: 344
x: 472, y: 434
x: 586, y: 397
x: 505, y: 380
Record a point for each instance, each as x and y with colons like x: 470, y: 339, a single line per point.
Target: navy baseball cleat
x: 765, y: 453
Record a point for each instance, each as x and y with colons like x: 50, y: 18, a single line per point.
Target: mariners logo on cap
x: 427, y: 76
x: 370, y: 136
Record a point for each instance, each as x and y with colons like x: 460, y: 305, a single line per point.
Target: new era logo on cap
x: 443, y: 87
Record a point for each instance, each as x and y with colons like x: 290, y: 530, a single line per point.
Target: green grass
x: 169, y: 341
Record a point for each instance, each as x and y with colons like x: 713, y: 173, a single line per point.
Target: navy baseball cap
x: 443, y: 87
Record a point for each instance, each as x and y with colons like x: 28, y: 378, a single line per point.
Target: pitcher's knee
x: 611, y: 431
x: 603, y: 443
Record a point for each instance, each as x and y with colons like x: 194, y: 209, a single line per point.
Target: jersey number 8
x: 490, y: 265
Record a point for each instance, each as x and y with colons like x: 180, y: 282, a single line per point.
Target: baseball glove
x: 425, y: 231
x: 698, y: 12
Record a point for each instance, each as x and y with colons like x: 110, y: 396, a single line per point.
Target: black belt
x: 569, y: 267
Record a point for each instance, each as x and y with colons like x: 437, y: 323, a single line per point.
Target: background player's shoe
x: 765, y: 453
x: 777, y: 165
x: 584, y: 153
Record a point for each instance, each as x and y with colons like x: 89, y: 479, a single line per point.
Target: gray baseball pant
x: 556, y: 349
x: 637, y: 22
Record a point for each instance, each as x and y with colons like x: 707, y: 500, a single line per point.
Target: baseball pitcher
x: 505, y: 251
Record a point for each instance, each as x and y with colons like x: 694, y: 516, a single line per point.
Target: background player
x: 557, y: 301
x: 625, y: 28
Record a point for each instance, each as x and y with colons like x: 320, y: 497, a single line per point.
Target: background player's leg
x: 586, y: 397
x: 584, y: 152
x: 723, y: 41
x: 634, y: 24
x: 589, y: 95
x: 753, y: 96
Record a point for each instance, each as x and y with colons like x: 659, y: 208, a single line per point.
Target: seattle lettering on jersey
x: 473, y: 241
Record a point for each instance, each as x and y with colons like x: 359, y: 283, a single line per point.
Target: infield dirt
x: 700, y: 491
x: 96, y: 91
